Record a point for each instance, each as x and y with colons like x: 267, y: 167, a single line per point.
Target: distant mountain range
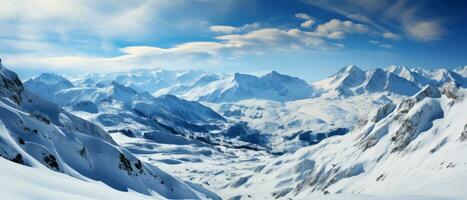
x: 217, y: 88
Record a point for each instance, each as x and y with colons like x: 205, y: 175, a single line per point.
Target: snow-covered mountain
x: 351, y: 81
x: 272, y: 103
x: 379, y: 132
x: 48, y: 83
x: 416, y: 147
x: 221, y: 88
x: 462, y: 71
x: 422, y: 77
x: 209, y: 87
x: 118, y: 108
x: 40, y: 134
x: 159, y: 81
x: 271, y: 86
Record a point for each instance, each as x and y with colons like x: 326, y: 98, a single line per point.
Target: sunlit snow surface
x: 20, y: 182
x: 432, y: 166
x: 389, y: 141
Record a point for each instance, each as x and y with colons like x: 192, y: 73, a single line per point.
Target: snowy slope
x: 390, y: 141
x: 36, y: 133
x: 38, y: 183
x: 414, y: 148
x: 271, y: 86
x: 305, y: 122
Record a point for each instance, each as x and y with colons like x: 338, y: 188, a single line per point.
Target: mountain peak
x: 396, y: 68
x: 275, y: 73
x: 53, y: 79
x: 349, y: 75
x: 243, y: 77
x: 350, y: 68
x: 428, y: 91
x: 119, y: 88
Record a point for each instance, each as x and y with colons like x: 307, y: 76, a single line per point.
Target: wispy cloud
x: 64, y: 18
x: 223, y: 29
x: 303, y: 16
x: 233, y: 42
x: 107, y: 35
x: 233, y: 29
x: 309, y: 21
x: 400, y: 16
x: 380, y: 44
x: 337, y: 29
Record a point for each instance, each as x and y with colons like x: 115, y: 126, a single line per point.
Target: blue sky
x: 307, y: 38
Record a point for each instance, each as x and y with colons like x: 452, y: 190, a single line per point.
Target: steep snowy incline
x: 417, y: 147
x: 272, y: 86
x: 37, y: 183
x: 37, y: 133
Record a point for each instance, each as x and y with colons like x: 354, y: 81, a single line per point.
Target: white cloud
x: 302, y: 16
x: 390, y: 35
x: 345, y: 26
x: 39, y: 19
x: 223, y: 29
x: 308, y: 20
x: 274, y: 38
x: 234, y: 42
x: 233, y: 29
x: 128, y: 21
x: 379, y: 44
x: 336, y: 29
x: 193, y: 53
x: 360, y: 17
x: 336, y: 35
x: 387, y: 46
x: 424, y: 30
x: 406, y: 17
x: 307, y: 23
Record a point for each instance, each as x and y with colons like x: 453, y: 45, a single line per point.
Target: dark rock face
x: 384, y: 111
x: 315, y: 138
x: 51, y: 162
x: 10, y: 85
x: 428, y: 91
x: 246, y: 134
x: 125, y: 164
x: 85, y: 106
x: 415, y: 124
x: 464, y: 134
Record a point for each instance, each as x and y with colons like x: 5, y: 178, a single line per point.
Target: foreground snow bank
x: 21, y: 182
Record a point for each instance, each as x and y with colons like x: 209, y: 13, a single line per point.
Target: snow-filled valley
x: 392, y: 133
